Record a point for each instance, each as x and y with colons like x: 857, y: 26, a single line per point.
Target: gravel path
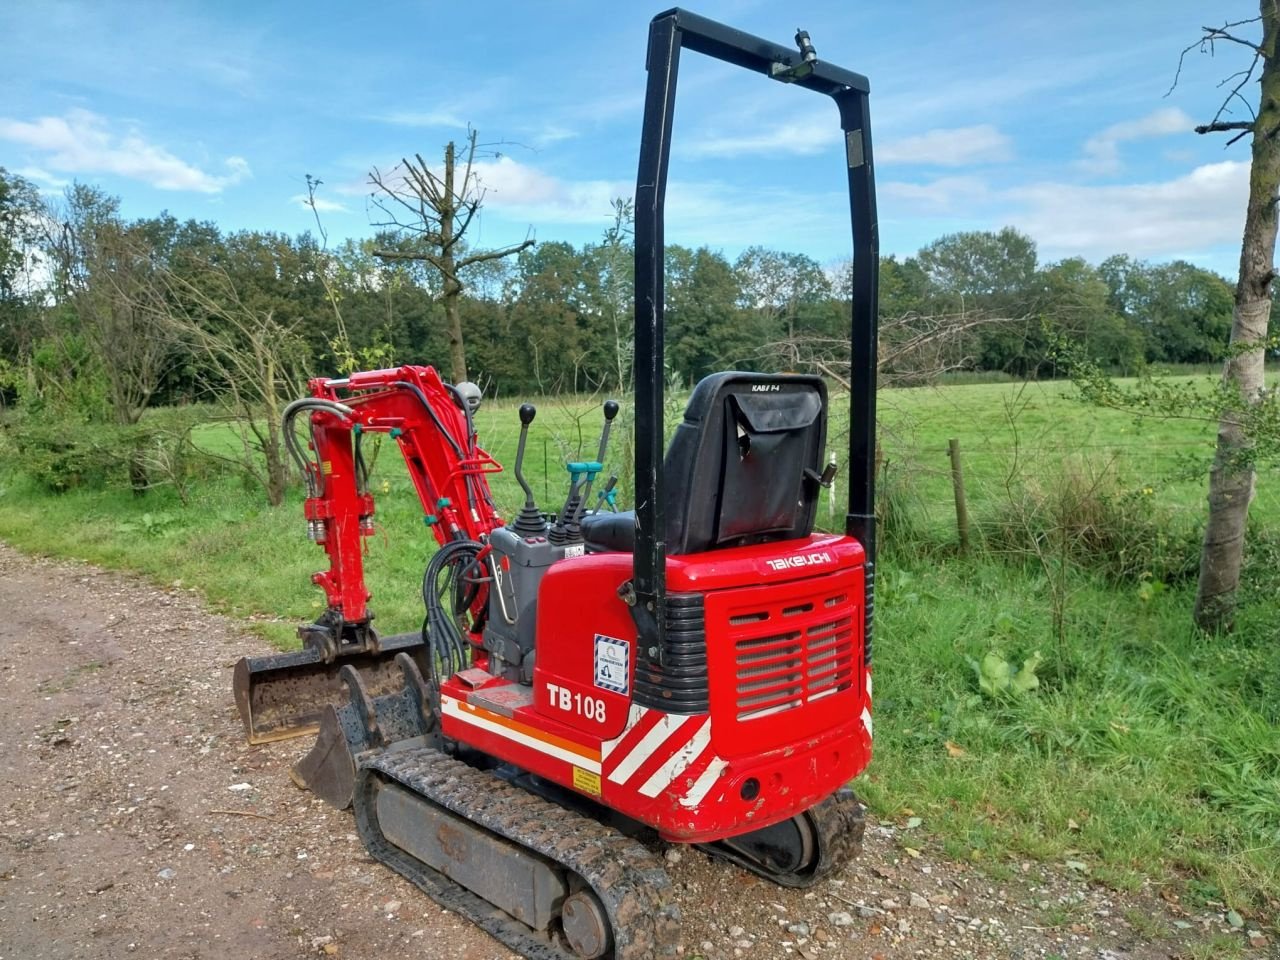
x: 135, y: 822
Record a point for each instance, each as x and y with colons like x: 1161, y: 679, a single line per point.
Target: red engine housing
x: 787, y: 716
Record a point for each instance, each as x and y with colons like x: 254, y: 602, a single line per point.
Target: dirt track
x: 134, y: 822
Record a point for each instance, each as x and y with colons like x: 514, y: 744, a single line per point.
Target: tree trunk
x: 1232, y: 477
x: 277, y: 467
x: 448, y: 267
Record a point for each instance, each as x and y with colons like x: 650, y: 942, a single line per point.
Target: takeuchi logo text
x: 803, y: 560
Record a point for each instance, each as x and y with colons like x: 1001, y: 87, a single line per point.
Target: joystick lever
x: 610, y: 411
x: 530, y: 519
x: 581, y: 476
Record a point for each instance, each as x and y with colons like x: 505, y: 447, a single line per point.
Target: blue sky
x: 1049, y: 117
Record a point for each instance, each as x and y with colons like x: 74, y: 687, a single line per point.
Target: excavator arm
x: 431, y: 421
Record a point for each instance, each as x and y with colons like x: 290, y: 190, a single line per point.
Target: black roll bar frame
x: 668, y: 33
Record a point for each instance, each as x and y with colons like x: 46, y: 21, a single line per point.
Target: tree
x: 547, y: 316
x: 981, y: 272
x: 778, y: 284
x: 119, y: 297
x: 1077, y: 304
x: 704, y: 329
x: 21, y: 213
x: 1231, y: 479
x: 434, y: 210
x: 253, y: 365
x: 614, y: 262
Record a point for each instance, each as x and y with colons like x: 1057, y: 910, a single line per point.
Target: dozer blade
x: 284, y: 695
x: 366, y: 725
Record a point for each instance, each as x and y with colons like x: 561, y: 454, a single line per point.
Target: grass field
x: 1147, y: 752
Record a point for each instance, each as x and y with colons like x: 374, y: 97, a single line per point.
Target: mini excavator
x: 699, y: 667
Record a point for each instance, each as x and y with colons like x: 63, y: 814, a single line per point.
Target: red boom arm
x: 430, y: 421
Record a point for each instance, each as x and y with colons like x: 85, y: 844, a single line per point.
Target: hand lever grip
x: 610, y: 411
x: 530, y: 520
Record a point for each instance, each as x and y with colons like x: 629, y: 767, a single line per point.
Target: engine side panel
x: 789, y: 719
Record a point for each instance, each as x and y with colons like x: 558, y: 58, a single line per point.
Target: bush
x: 67, y: 453
x: 1084, y: 516
x: 60, y: 455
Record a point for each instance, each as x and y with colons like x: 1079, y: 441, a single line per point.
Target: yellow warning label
x: 586, y: 781
x: 326, y: 467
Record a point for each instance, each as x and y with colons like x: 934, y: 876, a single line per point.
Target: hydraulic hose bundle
x: 449, y: 586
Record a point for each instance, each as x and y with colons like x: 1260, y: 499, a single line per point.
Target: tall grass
x: 1148, y: 752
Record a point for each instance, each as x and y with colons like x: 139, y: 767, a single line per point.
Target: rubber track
x: 630, y: 882
x: 839, y: 824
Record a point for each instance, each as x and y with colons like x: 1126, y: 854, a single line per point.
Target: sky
x: 1053, y: 118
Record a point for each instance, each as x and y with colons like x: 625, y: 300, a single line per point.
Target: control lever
x: 566, y: 528
x: 530, y: 519
x: 610, y: 411
x: 829, y: 473
x: 607, y: 495
x: 813, y: 479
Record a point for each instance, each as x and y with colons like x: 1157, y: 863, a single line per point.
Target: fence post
x: 957, y: 483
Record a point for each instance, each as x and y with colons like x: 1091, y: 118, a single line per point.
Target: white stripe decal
x: 453, y: 709
x: 702, y: 786
x: 637, y: 712
x: 866, y: 721
x: 643, y: 750
x: 678, y: 763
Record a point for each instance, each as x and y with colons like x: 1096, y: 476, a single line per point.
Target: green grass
x: 1147, y: 753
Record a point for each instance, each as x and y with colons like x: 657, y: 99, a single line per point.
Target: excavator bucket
x: 285, y: 695
x: 398, y: 719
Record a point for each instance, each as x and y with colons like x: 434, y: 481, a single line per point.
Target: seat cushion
x: 610, y: 532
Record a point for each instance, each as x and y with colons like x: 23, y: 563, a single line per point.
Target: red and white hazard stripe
x: 866, y: 711
x: 658, y: 749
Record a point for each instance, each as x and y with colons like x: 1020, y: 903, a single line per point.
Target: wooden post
x: 957, y: 483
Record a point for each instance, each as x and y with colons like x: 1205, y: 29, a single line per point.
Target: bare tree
x: 914, y: 348
x: 1231, y: 479
x: 115, y: 285
x: 434, y: 211
x: 122, y: 310
x: 252, y: 364
x: 616, y: 287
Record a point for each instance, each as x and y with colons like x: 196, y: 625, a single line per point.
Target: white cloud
x: 81, y: 142
x: 794, y: 136
x: 520, y: 191
x: 1189, y: 214
x: 954, y: 147
x: 553, y: 133
x: 1102, y: 150
x: 320, y: 204
x: 942, y: 195
x: 1195, y: 212
x: 46, y: 179
x: 423, y: 118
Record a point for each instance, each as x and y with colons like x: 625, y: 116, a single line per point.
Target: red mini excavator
x: 699, y: 667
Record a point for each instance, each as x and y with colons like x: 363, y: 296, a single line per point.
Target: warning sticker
x: 612, y: 662
x: 586, y: 781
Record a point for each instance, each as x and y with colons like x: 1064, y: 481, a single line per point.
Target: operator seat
x: 743, y: 467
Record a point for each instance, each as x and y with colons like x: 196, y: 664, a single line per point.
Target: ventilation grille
x: 808, y: 656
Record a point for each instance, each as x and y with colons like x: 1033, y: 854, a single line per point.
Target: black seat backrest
x: 743, y: 467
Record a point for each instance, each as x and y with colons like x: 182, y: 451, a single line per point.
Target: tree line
x: 79, y: 284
